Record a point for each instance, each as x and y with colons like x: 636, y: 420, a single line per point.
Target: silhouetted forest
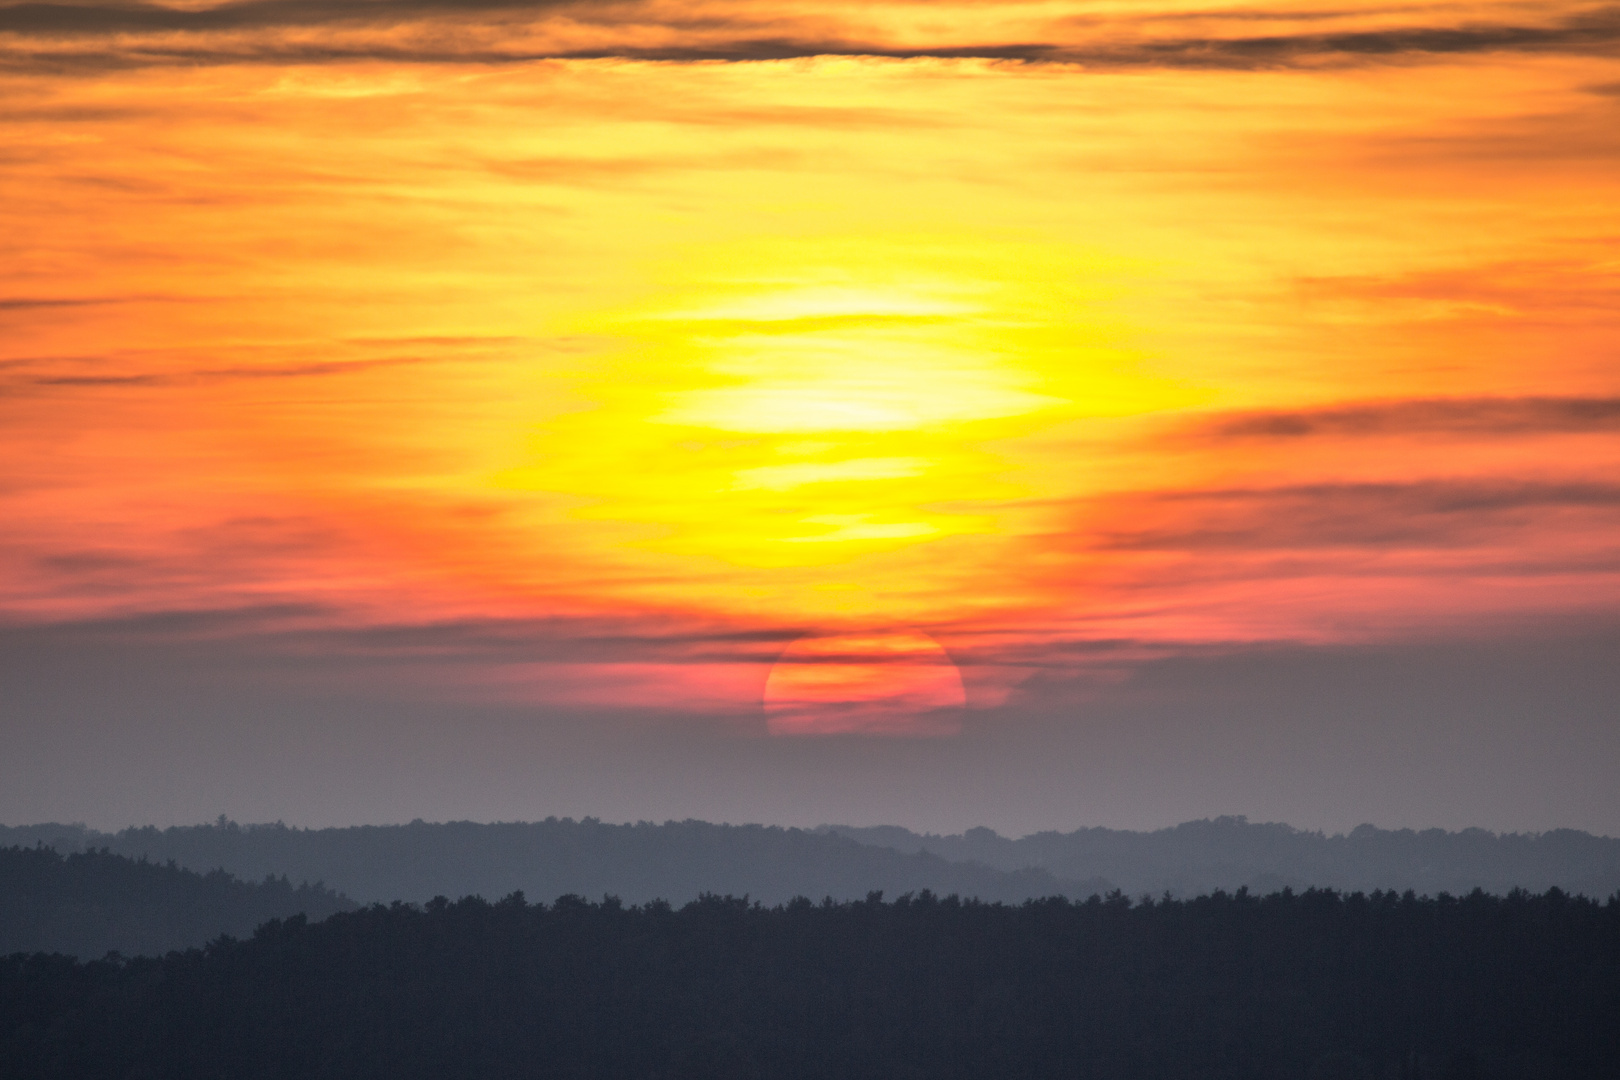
x: 675, y: 861
x: 1229, y: 852
x: 92, y: 903
x: 1307, y: 986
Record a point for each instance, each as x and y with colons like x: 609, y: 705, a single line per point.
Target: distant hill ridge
x: 675, y: 861
x: 90, y: 903
x: 1228, y: 852
x: 679, y: 861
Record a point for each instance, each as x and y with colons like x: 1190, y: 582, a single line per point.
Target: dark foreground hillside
x: 93, y: 903
x: 1313, y: 986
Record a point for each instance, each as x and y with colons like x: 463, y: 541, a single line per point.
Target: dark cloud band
x: 140, y: 26
x: 1483, y: 416
x: 1374, y: 516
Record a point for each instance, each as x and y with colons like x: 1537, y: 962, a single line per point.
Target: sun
x: 893, y: 682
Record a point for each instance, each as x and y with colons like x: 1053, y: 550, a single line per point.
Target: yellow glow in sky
x: 1195, y: 326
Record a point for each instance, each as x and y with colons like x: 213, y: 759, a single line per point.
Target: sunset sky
x: 1107, y: 413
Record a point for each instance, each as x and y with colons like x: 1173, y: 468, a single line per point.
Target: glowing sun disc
x: 898, y: 682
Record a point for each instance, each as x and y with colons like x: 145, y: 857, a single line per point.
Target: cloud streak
x: 67, y: 372
x: 513, y: 31
x: 1466, y: 417
x: 1375, y: 515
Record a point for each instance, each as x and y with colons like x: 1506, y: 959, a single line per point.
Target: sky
x: 1030, y: 415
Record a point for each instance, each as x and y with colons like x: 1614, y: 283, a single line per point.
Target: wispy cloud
x: 1482, y: 416
x: 69, y: 371
x: 1370, y: 516
x: 309, y: 629
x: 500, y: 31
x: 31, y: 303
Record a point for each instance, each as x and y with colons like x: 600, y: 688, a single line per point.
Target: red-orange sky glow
x: 649, y: 338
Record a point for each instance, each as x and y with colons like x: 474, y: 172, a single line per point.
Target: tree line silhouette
x: 1315, y: 985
